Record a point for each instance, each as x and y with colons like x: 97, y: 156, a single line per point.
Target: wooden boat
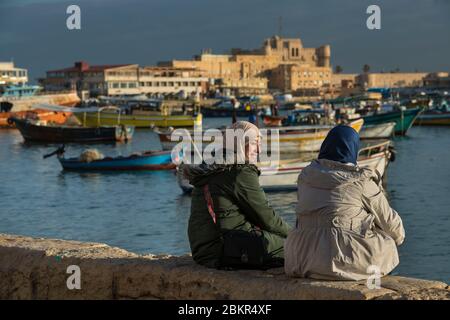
x: 375, y: 156
x: 403, y: 119
x: 26, y: 102
x: 145, y: 161
x: 292, y: 139
x: 37, y: 114
x: 224, y: 108
x: 213, y: 112
x: 96, y: 118
x: 37, y: 132
x: 377, y: 131
x: 433, y: 118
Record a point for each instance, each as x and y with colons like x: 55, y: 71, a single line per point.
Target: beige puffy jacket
x: 345, y: 224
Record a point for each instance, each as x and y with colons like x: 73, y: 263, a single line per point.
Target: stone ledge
x: 35, y: 268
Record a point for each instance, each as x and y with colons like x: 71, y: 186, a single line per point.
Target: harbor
x: 281, y: 155
x: 42, y: 200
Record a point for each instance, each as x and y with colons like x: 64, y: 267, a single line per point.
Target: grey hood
x: 328, y: 174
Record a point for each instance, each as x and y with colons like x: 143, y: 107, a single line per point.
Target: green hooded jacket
x: 239, y: 204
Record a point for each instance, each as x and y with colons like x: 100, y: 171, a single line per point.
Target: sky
x: 414, y: 34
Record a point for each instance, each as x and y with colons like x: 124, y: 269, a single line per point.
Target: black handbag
x: 241, y: 249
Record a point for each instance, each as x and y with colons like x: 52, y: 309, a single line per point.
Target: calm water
x: 147, y: 213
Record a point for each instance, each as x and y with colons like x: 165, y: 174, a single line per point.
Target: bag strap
x: 209, y: 203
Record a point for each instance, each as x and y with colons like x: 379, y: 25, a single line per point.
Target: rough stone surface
x: 35, y: 268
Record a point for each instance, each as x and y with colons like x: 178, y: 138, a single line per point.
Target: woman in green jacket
x: 231, y: 223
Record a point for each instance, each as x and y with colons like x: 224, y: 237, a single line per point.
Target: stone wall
x: 32, y: 268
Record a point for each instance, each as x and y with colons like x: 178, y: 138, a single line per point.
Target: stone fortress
x: 280, y: 65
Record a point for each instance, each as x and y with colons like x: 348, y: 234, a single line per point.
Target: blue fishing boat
x: 92, y: 160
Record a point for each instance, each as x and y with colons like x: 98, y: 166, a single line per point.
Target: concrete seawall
x: 36, y: 268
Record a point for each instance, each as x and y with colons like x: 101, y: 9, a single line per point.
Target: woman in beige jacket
x: 346, y: 229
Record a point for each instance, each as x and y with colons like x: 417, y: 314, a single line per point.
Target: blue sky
x: 414, y: 34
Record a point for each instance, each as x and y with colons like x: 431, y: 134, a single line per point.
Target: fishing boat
x: 144, y: 161
x: 38, y: 131
x: 37, y: 114
x: 225, y: 108
x: 375, y: 155
x: 23, y: 97
x: 291, y: 139
x: 403, y: 118
x: 437, y: 115
x: 213, y: 112
x: 377, y: 131
x: 434, y: 118
x: 110, y: 116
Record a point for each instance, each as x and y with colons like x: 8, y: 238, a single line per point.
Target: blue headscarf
x: 341, y: 144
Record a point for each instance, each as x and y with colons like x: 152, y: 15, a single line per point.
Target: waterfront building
x: 280, y: 64
x: 437, y: 80
x: 125, y: 79
x: 170, y: 81
x: 390, y: 79
x: 351, y: 84
x: 11, y: 75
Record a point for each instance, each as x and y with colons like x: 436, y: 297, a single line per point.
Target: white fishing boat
x: 377, y: 131
x: 292, y: 139
x: 375, y: 155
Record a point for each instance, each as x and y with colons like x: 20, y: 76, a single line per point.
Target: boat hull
x: 43, y: 115
x: 92, y: 119
x: 210, y: 112
x: 149, y: 161
x: 62, y: 134
x: 432, y: 118
x: 377, y: 131
x: 403, y: 119
x: 68, y: 99
x: 292, y: 139
x: 285, y: 177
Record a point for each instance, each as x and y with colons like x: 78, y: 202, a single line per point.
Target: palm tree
x: 338, y: 69
x: 366, y: 68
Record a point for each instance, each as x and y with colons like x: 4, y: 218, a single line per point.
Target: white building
x: 10, y: 75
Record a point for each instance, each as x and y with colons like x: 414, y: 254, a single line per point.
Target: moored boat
x: 144, y: 161
x: 22, y: 98
x: 403, y: 118
x: 377, y: 131
x: 433, y: 118
x: 37, y: 114
x: 375, y: 156
x: 105, y: 116
x: 292, y: 139
x: 35, y: 131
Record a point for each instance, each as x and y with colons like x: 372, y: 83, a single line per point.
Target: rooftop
x: 83, y: 66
